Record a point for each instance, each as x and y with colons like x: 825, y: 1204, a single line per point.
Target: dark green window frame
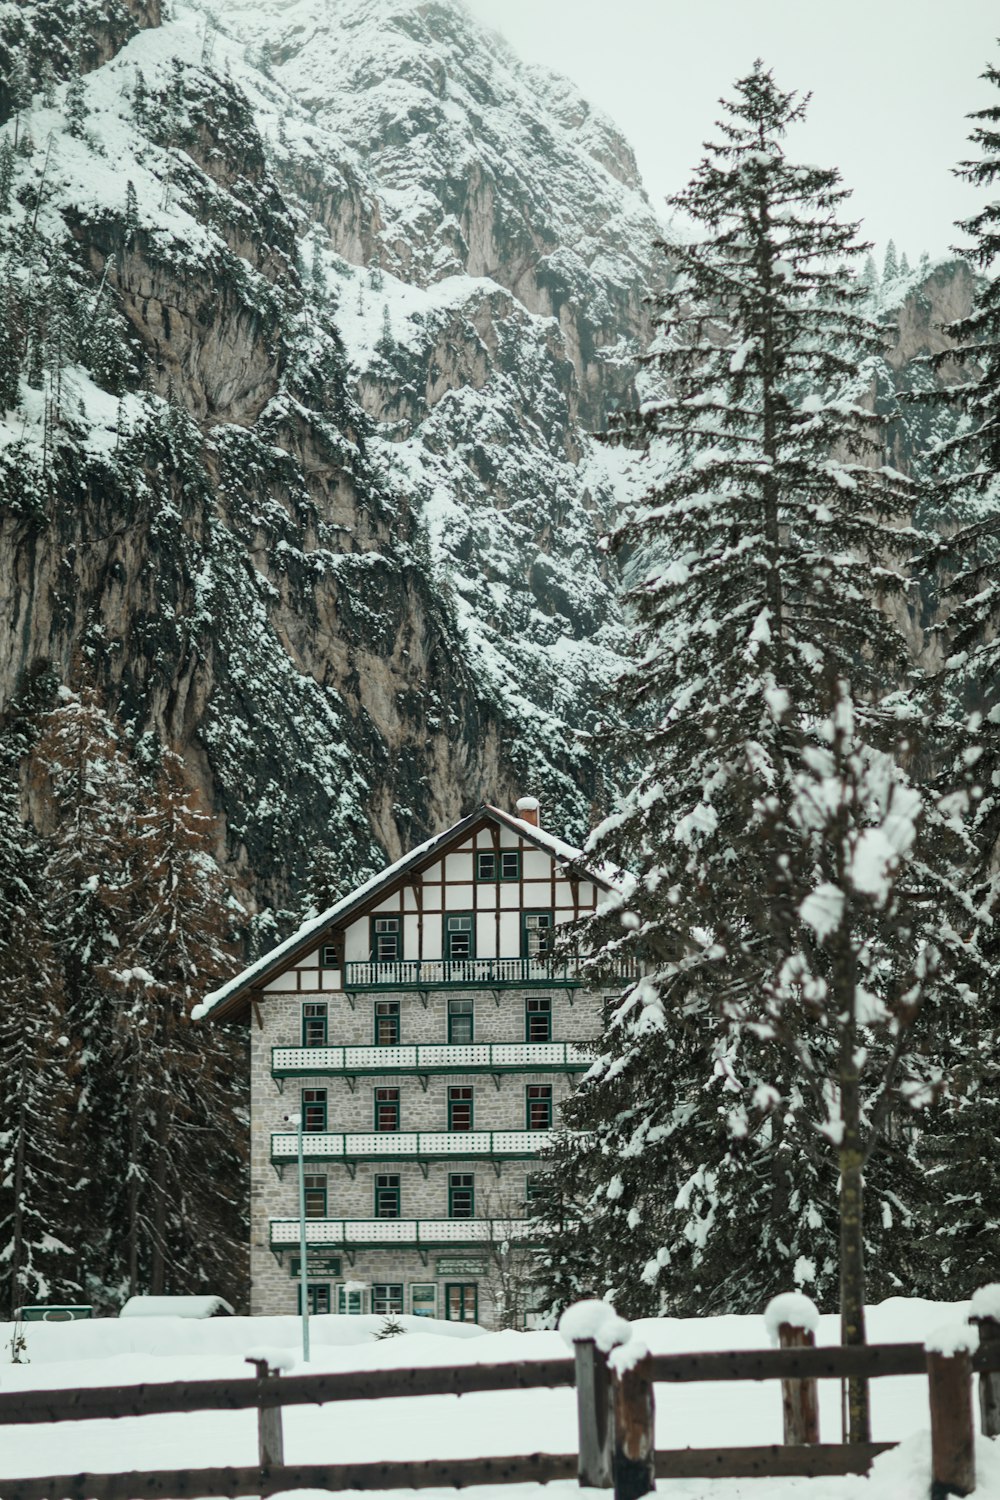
x: 526, y: 929
x: 387, y: 1297
x: 385, y: 1101
x: 468, y: 933
x: 461, y: 1287
x: 319, y: 1298
x: 329, y: 956
x: 461, y: 1102
x: 387, y: 1195
x: 314, y: 1193
x: 386, y: 938
x: 461, y: 1195
x: 461, y: 1021
x: 502, y: 864
x: 313, y: 1103
x: 315, y: 1022
x: 538, y: 1018
x: 386, y: 1015
x: 538, y: 1106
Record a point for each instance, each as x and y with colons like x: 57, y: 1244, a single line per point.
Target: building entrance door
x: 461, y: 1302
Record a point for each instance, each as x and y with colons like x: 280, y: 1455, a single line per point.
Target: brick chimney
x: 527, y: 810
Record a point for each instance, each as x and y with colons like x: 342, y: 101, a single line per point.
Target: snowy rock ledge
x: 794, y: 1308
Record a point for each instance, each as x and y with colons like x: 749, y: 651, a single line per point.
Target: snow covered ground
x: 110, y: 1352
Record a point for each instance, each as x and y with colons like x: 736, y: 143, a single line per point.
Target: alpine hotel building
x: 427, y: 1037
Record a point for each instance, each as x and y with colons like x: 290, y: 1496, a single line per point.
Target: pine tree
x: 185, y: 1207
x: 781, y: 862
x: 38, y: 1248
x: 6, y: 174
x: 890, y: 266
x: 76, y: 106
x: 86, y: 787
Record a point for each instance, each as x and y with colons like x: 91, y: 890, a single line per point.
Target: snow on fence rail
x: 614, y: 1376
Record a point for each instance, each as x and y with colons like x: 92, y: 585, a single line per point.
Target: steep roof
x: 233, y: 997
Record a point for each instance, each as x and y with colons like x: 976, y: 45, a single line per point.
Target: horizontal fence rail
x: 432, y: 1057
x: 87, y: 1403
x: 383, y: 1145
x: 457, y: 1473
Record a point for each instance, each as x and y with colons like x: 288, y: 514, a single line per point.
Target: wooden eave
x: 236, y: 1005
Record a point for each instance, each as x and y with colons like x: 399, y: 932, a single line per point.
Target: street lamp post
x: 296, y: 1120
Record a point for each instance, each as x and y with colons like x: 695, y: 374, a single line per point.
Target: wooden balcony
x: 422, y: 1232
x: 414, y: 1145
x: 486, y: 1057
x: 471, y: 973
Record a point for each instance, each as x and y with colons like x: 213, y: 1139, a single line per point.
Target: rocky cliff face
x: 301, y: 345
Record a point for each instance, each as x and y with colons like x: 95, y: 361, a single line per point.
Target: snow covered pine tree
x: 966, y: 503
x: 783, y: 892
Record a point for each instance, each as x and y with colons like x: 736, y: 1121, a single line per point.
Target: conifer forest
x: 350, y: 478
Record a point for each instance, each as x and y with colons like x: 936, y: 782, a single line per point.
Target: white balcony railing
x: 402, y: 1231
x: 431, y: 973
x: 391, y: 1145
x: 487, y: 1057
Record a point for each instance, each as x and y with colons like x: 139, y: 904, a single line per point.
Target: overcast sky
x: 891, y: 82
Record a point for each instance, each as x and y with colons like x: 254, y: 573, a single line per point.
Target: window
x: 424, y: 1299
x: 460, y: 1022
x: 329, y: 956
x: 461, y: 1302
x: 387, y: 1023
x: 387, y: 1297
x: 319, y: 1297
x: 539, y: 1106
x: 459, y: 936
x: 314, y: 1191
x: 461, y: 1195
x: 460, y: 1108
x: 387, y: 1109
x: 536, y: 934
x: 535, y: 1189
x: 387, y: 945
x: 387, y: 1195
x: 350, y: 1299
x: 314, y: 1024
x: 538, y: 1018
x: 503, y: 866
x: 314, y: 1110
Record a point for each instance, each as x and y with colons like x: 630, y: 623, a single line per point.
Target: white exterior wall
x: 499, y: 1102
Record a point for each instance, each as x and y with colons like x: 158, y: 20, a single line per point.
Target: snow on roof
x: 558, y: 848
x: 175, y: 1307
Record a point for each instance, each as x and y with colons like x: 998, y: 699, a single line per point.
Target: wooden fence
x: 615, y: 1406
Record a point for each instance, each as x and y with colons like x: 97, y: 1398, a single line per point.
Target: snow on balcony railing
x: 385, y: 1145
x: 425, y: 973
x: 490, y: 1057
x: 401, y: 1231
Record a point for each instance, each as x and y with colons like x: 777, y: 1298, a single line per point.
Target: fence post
x: 799, y: 1398
x: 270, y: 1438
x: 949, y: 1379
x: 791, y: 1320
x: 634, y: 1458
x: 984, y: 1314
x: 593, y: 1408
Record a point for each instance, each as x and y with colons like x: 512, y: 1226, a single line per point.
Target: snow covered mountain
x: 307, y: 316
x: 307, y: 320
